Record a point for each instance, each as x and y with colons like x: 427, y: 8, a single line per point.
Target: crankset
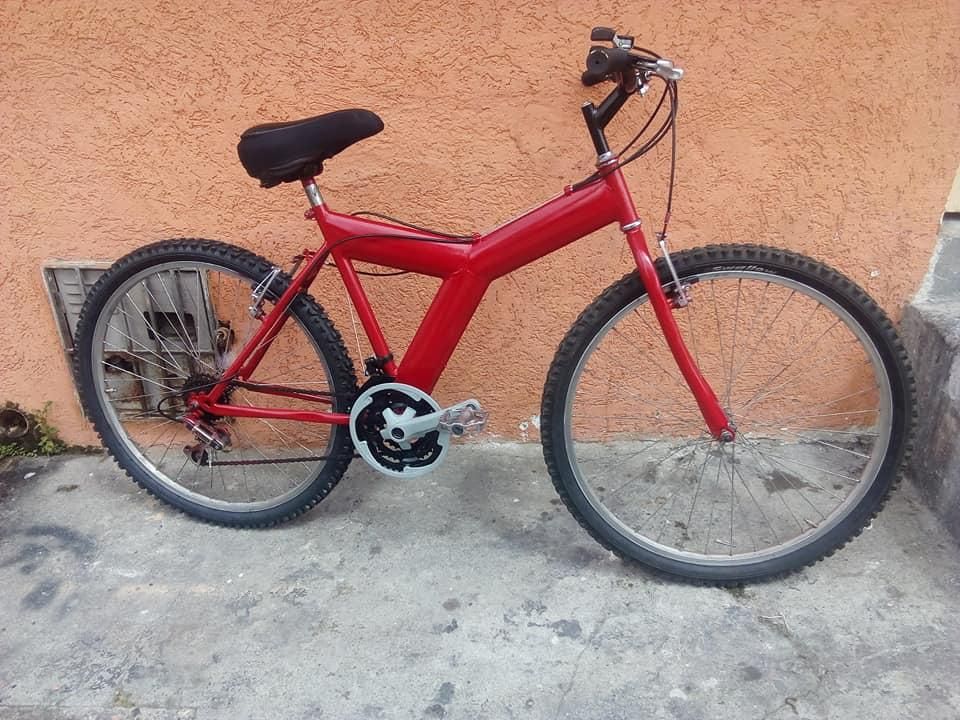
x: 401, y: 431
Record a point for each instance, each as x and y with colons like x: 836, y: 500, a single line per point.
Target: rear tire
x: 163, y: 259
x: 890, y: 444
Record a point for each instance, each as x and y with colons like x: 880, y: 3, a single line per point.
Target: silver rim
x: 173, y: 324
x: 805, y: 385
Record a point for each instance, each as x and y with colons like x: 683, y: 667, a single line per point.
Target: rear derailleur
x: 210, y: 437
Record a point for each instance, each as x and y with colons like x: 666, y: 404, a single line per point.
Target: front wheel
x: 806, y: 365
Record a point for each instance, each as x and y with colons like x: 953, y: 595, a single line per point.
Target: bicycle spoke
x: 259, y: 452
x: 284, y: 438
x: 759, y: 507
x: 148, y: 415
x: 819, y: 442
x: 665, y: 457
x: 713, y: 504
x: 763, y: 335
x: 823, y: 403
x: 176, y: 369
x: 156, y: 334
x: 748, y: 353
x: 186, y: 460
x: 169, y: 444
x: 672, y: 495
x: 687, y: 417
x: 862, y: 433
x: 733, y: 350
x: 805, y: 373
x: 642, y: 451
x: 178, y: 286
x: 836, y: 414
x: 141, y: 377
x: 176, y: 310
x: 813, y: 467
x: 185, y: 343
x: 210, y: 320
x: 716, y: 314
x: 696, y: 492
x: 800, y: 354
x: 656, y: 364
x: 148, y: 362
x: 673, y: 504
x: 733, y: 491
x: 223, y: 480
x: 755, y: 450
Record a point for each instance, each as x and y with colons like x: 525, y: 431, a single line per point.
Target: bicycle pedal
x: 463, y: 418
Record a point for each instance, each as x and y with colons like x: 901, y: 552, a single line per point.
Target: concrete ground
x: 469, y: 593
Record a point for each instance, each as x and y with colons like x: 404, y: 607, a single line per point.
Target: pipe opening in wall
x: 14, y: 424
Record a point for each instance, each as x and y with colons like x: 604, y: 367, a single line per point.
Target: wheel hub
x: 199, y: 382
x: 207, y: 428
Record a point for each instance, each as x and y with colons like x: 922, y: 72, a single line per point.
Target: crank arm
x: 464, y: 417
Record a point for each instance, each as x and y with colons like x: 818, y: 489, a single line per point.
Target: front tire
x: 815, y: 377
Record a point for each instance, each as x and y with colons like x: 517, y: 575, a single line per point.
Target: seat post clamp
x: 313, y: 193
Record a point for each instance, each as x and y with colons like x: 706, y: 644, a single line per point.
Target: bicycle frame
x: 466, y: 271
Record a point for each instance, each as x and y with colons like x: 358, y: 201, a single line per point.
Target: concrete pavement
x: 469, y: 593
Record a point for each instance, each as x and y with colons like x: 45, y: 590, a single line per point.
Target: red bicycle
x: 720, y: 414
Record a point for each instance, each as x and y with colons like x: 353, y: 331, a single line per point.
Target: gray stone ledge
x: 931, y: 332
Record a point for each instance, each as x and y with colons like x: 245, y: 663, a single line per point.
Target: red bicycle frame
x: 466, y: 270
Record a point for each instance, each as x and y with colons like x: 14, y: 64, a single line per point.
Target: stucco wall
x: 830, y: 128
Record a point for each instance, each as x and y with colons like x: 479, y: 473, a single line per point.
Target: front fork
x: 713, y: 414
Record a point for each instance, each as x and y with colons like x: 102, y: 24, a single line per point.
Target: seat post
x: 312, y: 191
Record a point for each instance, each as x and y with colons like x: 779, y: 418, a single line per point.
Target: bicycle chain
x: 423, y: 450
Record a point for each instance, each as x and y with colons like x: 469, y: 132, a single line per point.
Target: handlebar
x: 617, y: 62
x: 631, y: 68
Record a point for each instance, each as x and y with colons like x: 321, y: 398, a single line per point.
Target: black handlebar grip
x: 589, y: 78
x: 603, y: 62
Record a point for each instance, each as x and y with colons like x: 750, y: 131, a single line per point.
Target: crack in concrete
x: 576, y: 665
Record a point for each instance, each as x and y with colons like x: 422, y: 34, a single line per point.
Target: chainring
x: 367, y: 421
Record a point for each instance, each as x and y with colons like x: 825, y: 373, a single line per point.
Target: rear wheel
x: 809, y: 369
x: 168, y: 319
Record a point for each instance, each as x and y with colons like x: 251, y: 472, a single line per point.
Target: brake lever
x: 665, y: 69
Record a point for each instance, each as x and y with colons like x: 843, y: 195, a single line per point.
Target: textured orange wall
x: 830, y: 128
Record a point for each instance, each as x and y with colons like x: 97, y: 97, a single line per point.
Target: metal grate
x: 67, y: 287
x: 149, y: 323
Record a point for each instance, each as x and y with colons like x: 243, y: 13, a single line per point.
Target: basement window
x: 134, y: 378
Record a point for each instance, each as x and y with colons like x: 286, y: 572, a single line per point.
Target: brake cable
x: 668, y: 125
